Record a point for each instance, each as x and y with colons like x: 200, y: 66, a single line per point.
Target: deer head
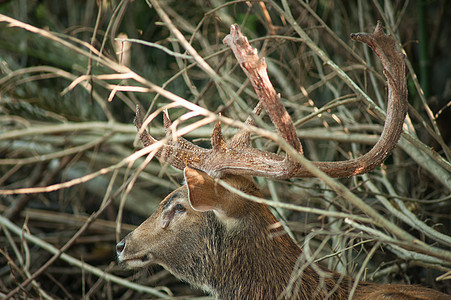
x: 214, y: 238
x: 202, y: 231
x: 186, y: 213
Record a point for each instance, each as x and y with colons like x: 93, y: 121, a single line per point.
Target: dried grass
x: 71, y: 180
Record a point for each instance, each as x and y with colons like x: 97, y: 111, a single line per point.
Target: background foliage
x: 67, y: 180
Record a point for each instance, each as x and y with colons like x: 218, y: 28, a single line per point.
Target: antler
x: 237, y: 157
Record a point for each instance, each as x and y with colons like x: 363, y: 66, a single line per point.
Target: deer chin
x: 136, y: 262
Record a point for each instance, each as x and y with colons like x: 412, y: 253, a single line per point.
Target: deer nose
x: 120, y: 247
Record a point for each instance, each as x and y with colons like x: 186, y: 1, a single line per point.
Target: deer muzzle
x: 129, y: 258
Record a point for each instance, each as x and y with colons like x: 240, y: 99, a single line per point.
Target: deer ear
x: 204, y: 193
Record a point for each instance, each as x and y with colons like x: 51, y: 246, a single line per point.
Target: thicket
x: 72, y: 73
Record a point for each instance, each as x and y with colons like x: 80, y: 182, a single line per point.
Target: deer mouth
x: 131, y: 258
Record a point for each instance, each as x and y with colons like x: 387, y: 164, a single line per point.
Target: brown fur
x: 238, y: 255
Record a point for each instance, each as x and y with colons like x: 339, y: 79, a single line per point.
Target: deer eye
x: 180, y: 208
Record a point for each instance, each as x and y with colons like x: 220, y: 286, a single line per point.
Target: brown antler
x: 237, y: 157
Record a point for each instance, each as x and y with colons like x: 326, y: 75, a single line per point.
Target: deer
x: 213, y: 235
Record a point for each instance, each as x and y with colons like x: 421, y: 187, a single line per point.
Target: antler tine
x: 242, y: 139
x: 217, y: 140
x: 178, y: 153
x: 394, y: 70
x: 255, y: 69
x: 166, y: 120
x: 144, y: 136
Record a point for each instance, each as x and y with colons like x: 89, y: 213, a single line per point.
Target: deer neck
x: 255, y: 264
